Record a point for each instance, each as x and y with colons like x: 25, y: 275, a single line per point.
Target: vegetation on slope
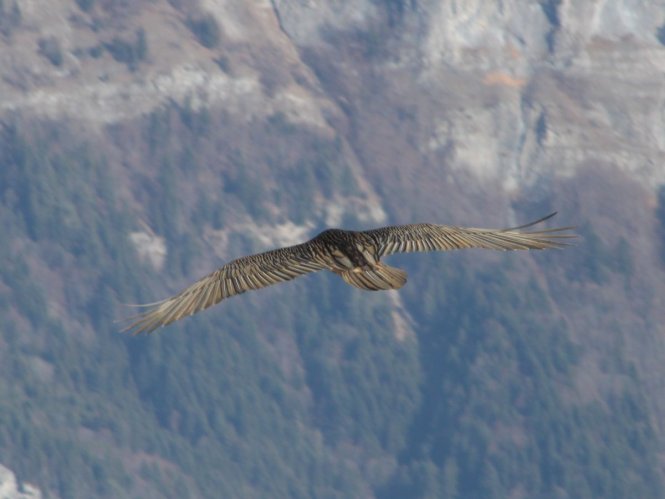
x: 301, y: 391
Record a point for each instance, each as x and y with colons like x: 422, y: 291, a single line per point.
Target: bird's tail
x: 379, y: 277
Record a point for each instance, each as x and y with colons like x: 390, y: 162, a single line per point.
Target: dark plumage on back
x: 354, y: 256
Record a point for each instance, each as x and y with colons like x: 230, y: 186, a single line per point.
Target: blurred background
x: 145, y: 143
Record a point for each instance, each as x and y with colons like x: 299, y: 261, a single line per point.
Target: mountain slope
x: 170, y: 137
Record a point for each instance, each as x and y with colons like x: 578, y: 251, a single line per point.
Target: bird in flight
x: 353, y: 255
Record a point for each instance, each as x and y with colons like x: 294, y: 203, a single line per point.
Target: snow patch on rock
x: 11, y: 489
x: 150, y: 248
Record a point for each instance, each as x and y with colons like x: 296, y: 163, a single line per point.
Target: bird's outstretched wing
x: 244, y: 274
x: 431, y: 237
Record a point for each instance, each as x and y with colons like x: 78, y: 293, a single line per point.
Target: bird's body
x: 353, y: 255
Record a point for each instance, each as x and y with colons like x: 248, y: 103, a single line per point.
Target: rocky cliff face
x: 510, y: 91
x: 519, y: 89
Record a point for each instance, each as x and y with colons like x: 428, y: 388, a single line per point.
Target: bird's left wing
x: 431, y: 237
x: 244, y: 274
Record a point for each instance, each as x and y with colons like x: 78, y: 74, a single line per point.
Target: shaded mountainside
x: 510, y: 380
x: 487, y: 375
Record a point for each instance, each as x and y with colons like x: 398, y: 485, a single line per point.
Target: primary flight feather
x: 353, y: 255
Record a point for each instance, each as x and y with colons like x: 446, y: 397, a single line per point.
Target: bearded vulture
x: 353, y: 255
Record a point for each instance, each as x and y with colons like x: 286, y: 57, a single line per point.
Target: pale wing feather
x: 431, y: 237
x: 236, y: 277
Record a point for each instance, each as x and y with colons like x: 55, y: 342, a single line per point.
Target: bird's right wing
x: 431, y: 237
x: 238, y: 276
